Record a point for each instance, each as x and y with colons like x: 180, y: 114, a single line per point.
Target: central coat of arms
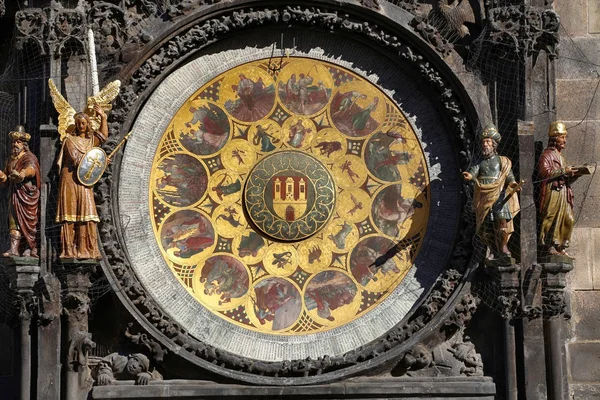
x: 289, y: 195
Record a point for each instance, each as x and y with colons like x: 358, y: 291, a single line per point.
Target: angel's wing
x: 103, y: 99
x: 66, y: 113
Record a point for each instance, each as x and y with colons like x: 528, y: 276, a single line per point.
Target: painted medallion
x: 289, y: 204
x: 289, y: 195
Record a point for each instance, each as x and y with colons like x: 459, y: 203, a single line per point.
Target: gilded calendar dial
x: 289, y: 204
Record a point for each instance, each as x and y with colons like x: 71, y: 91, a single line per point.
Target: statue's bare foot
x: 10, y: 253
x: 552, y: 251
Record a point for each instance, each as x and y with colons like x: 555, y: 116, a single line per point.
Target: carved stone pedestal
x: 554, y: 283
x: 76, y: 303
x: 506, y: 277
x: 24, y: 272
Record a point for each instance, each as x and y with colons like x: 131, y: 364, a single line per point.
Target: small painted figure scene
x: 328, y: 293
x: 385, y: 152
x: 253, y: 98
x: 555, y: 197
x: 352, y: 112
x: 340, y: 234
x: 299, y: 133
x: 224, y: 279
x: 276, y: 301
x: 79, y: 133
x: 391, y: 210
x: 187, y: 233
x: 265, y: 138
x: 494, y: 199
x: 181, y: 180
x: 373, y: 259
x: 207, y: 130
x: 225, y: 186
x: 307, y: 90
x: 21, y: 177
x: 250, y: 245
x: 327, y: 148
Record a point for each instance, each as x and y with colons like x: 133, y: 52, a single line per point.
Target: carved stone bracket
x: 23, y: 273
x: 524, y: 30
x: 553, y: 287
x: 506, y: 277
x: 76, y: 302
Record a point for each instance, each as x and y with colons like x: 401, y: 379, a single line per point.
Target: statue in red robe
x: 22, y: 173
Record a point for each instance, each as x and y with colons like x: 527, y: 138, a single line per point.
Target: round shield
x: 92, y: 166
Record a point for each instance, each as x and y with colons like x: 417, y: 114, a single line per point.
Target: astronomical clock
x: 290, y: 213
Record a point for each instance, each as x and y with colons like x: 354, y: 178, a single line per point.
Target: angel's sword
x: 93, y: 64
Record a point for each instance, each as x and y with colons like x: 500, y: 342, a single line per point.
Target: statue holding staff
x: 22, y: 174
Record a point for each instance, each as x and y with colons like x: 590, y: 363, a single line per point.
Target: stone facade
x: 577, y: 103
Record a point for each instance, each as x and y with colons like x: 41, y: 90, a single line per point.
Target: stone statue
x: 117, y: 367
x: 555, y: 201
x: 22, y: 173
x: 494, y: 208
x: 79, y: 133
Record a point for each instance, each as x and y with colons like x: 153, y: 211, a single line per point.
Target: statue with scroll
x: 22, y: 175
x: 80, y: 134
x: 494, y: 202
x: 555, y: 201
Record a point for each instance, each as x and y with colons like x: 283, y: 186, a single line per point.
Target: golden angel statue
x: 79, y: 133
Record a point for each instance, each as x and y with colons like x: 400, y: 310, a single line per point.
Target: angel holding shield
x: 79, y: 133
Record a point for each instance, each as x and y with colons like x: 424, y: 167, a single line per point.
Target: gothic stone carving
x: 152, y: 346
x: 525, y: 30
x: 118, y: 367
x: 454, y: 357
x: 507, y: 282
x: 553, y: 288
x: 374, y: 4
x: 79, y: 348
x: 118, y: 29
x: 32, y: 25
x: 194, y: 39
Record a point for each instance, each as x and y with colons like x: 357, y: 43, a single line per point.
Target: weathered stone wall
x: 578, y: 103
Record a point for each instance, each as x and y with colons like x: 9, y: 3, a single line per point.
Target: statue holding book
x: 555, y: 201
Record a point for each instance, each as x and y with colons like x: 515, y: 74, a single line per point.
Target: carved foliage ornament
x: 194, y: 39
x: 525, y: 30
x: 116, y: 28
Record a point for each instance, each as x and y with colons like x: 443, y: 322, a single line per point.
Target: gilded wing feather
x: 66, y: 113
x: 103, y: 99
